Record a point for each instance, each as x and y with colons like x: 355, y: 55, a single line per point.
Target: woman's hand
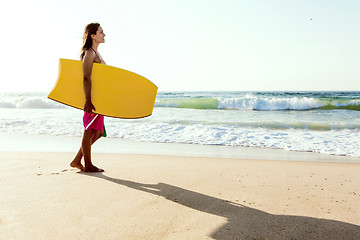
x: 88, y: 107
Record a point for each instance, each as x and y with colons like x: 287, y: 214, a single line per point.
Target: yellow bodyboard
x: 115, y: 92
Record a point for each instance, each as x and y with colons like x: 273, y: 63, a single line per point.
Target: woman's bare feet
x: 92, y: 168
x: 77, y: 165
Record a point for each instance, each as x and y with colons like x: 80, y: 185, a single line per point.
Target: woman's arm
x: 87, y: 68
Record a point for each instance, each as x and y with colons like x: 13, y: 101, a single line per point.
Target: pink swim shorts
x: 93, y: 121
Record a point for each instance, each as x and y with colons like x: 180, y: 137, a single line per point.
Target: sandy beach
x: 176, y: 197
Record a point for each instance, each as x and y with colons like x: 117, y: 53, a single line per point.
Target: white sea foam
x: 327, y: 131
x: 233, y: 102
x: 347, y: 103
x: 247, y: 103
x: 192, y: 127
x: 7, y: 105
x: 269, y: 104
x: 331, y: 142
x: 30, y: 103
x: 38, y: 103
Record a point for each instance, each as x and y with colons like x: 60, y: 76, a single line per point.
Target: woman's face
x: 99, y: 36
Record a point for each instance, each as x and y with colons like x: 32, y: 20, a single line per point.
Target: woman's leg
x: 86, y: 149
x: 86, y: 146
x: 76, y: 163
x: 89, y: 138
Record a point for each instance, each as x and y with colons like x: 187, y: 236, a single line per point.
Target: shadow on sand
x: 244, y: 222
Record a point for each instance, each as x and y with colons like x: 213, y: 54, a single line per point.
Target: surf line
x: 86, y: 128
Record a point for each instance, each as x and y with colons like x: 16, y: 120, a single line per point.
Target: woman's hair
x: 87, y: 40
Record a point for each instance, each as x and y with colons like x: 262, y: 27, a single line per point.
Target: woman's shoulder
x: 90, y: 52
x: 89, y: 55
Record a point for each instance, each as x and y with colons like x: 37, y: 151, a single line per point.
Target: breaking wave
x: 260, y: 104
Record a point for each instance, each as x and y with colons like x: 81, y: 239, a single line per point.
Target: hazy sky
x: 189, y: 44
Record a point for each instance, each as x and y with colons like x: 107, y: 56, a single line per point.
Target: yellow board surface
x: 115, y: 92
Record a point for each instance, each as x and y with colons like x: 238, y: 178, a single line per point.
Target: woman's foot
x: 77, y: 165
x: 92, y: 168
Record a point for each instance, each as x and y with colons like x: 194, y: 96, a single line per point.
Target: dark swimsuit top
x: 101, y: 60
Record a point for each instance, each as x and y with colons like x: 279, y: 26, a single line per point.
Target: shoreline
x: 176, y: 197
x: 14, y: 142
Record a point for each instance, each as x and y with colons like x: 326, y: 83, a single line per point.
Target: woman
x: 93, y: 123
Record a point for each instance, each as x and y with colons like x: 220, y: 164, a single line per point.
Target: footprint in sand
x: 57, y: 173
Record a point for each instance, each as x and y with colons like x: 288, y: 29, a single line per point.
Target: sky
x: 189, y: 45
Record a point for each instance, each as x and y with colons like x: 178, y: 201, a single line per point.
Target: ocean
x: 322, y: 122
